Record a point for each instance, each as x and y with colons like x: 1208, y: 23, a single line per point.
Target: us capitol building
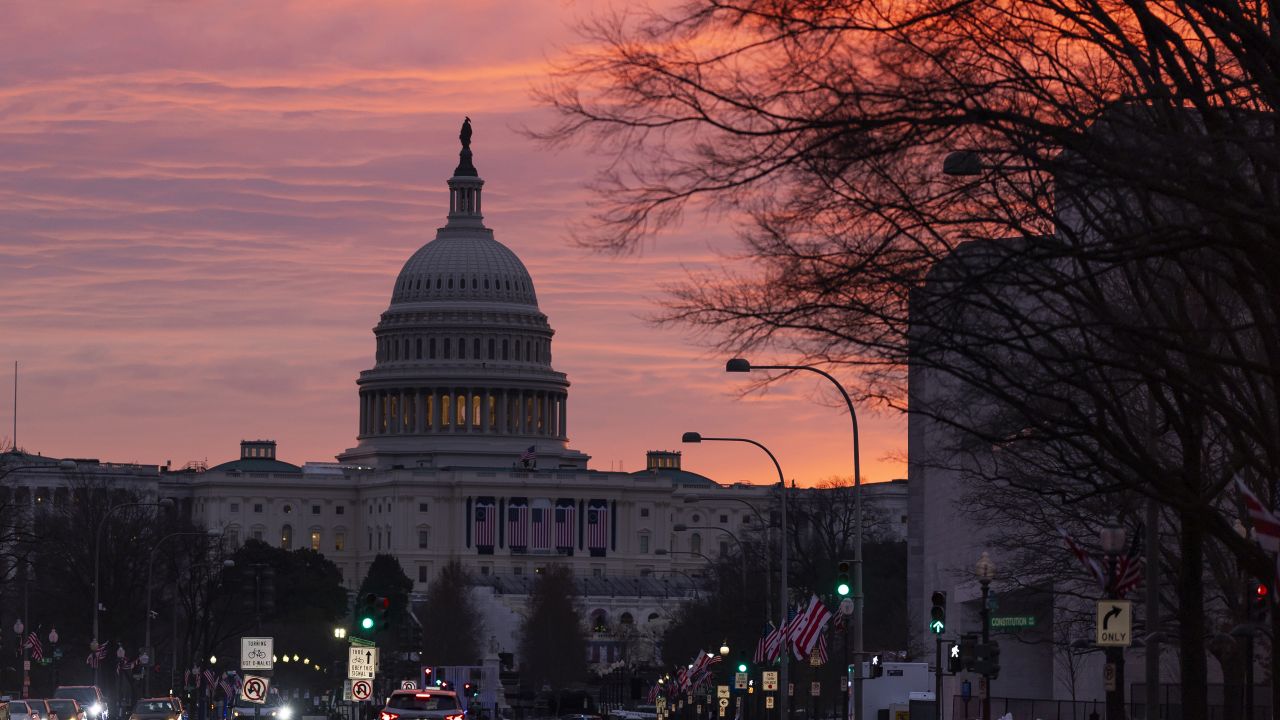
x: 462, y: 452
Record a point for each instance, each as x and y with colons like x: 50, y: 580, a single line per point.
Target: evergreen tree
x: 454, y: 626
x: 553, y: 642
x: 387, y: 579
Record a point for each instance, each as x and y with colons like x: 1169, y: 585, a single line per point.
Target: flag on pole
x: 33, y: 643
x: 812, y: 622
x: 1130, y: 566
x: 1089, y: 562
x: 762, y: 645
x: 210, y: 680
x: 821, y: 651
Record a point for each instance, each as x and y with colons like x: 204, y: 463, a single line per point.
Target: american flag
x: 540, y: 527
x: 1266, y: 526
x: 1129, y: 567
x: 811, y: 623
x: 597, y: 528
x: 565, y: 521
x: 96, y: 656
x: 762, y: 645
x: 529, y: 455
x: 33, y: 642
x: 518, y: 524
x: 821, y: 650
x: 1089, y: 562
x: 125, y: 663
x: 225, y: 684
x: 486, y: 524
x: 210, y: 679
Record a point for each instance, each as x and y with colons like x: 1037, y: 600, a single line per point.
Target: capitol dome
x: 462, y: 373
x: 467, y: 268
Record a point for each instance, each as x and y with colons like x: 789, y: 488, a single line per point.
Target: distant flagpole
x: 15, y: 406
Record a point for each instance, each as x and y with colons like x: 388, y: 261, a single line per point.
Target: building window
x: 448, y: 348
x: 724, y: 548
x: 517, y: 570
x: 485, y: 569
x: 626, y: 619
x: 257, y: 507
x: 746, y: 519
x: 490, y: 348
x: 257, y: 535
x: 339, y: 541
x: 315, y: 509
x: 697, y: 518
x: 597, y: 572
x: 419, y: 348
x: 315, y: 540
x: 724, y: 519
x: 644, y: 543
x: 232, y: 538
x: 422, y: 573
x: 462, y: 348
x: 644, y: 512
x: 653, y: 617
x: 695, y: 543
x: 286, y: 537
x: 475, y: 347
x: 431, y: 348
x: 422, y: 507
x: 388, y: 539
x: 368, y: 541
x: 424, y: 539
x: 340, y: 510
x: 235, y: 507
x: 288, y: 509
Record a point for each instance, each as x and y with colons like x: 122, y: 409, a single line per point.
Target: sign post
x: 1115, y: 623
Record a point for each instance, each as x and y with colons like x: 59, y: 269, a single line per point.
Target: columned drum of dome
x: 462, y: 371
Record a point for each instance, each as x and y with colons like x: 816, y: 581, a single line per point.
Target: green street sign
x: 937, y: 626
x: 1013, y: 621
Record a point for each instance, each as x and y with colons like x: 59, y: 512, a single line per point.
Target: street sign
x: 408, y: 685
x: 770, y: 680
x: 360, y: 642
x: 254, y: 689
x: 362, y: 663
x: 1109, y: 677
x: 815, y: 688
x: 724, y: 702
x: 256, y: 652
x: 740, y: 681
x: 791, y: 689
x: 1115, y: 623
x: 361, y: 690
x: 346, y: 690
x: 722, y: 691
x: 1013, y: 621
x: 768, y: 702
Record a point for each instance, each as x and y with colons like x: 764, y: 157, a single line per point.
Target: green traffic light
x: 842, y: 589
x: 742, y: 667
x: 366, y: 623
x: 937, y: 626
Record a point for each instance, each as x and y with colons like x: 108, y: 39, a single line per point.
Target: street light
x: 724, y: 648
x: 151, y: 563
x: 62, y: 465
x: 693, y: 437
x: 986, y: 573
x: 1112, y: 540
x: 741, y: 365
x: 97, y: 558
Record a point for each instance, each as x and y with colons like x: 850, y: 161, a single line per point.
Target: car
x: 273, y: 709
x: 40, y: 709
x: 66, y: 709
x: 89, y: 697
x: 428, y: 704
x: 161, y: 708
x: 19, y: 710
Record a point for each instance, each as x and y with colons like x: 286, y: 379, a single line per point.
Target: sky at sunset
x: 204, y: 205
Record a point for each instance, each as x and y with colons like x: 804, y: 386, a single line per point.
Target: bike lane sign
x: 256, y: 652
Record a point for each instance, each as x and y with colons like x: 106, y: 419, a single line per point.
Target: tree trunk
x: 1191, y: 624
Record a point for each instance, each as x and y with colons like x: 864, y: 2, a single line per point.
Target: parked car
x: 89, y: 697
x: 19, y: 710
x: 66, y: 708
x: 427, y: 704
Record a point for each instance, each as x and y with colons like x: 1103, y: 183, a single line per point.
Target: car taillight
x: 455, y: 716
x: 384, y: 715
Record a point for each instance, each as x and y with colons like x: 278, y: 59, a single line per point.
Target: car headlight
x: 285, y: 713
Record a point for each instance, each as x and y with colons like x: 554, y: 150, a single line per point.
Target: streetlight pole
x: 784, y: 592
x: 986, y: 573
x: 740, y: 365
x: 97, y: 562
x: 151, y: 563
x: 767, y: 528
x: 1113, y: 540
x: 742, y: 549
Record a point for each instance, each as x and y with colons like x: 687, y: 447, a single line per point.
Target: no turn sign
x: 408, y: 685
x: 361, y: 690
x: 255, y: 689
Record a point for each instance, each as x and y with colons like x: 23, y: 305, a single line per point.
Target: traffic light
x: 953, y: 659
x: 966, y: 652
x: 843, y: 586
x: 364, y: 618
x: 877, y: 666
x: 382, y: 608
x: 1260, y: 602
x: 993, y: 659
x: 938, y: 615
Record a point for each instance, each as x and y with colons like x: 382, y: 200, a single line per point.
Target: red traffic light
x: 1261, y: 591
x: 384, y: 602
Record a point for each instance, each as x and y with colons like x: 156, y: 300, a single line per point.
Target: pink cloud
x: 205, y: 206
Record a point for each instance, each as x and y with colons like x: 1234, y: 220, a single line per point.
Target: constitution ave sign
x: 1115, y: 623
x: 362, y: 663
